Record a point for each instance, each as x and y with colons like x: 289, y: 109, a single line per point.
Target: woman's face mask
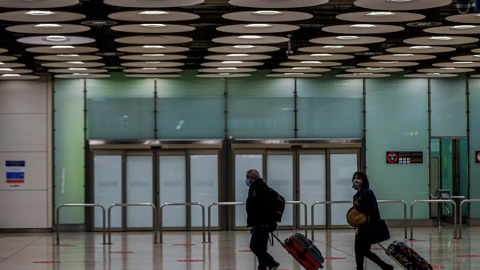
x: 356, y: 183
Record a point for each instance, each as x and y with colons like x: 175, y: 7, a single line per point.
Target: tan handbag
x: 356, y: 218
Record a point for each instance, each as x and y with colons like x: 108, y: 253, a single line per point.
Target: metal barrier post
x: 209, y: 214
x: 79, y: 205
x: 154, y: 208
x: 435, y: 201
x: 305, y: 213
x: 461, y: 213
x: 181, y: 204
x: 312, y: 212
x: 404, y: 212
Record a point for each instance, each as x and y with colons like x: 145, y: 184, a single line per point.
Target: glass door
x: 139, y: 189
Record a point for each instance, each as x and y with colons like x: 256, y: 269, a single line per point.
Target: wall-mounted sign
x: 396, y: 157
x: 15, y: 173
x: 477, y: 157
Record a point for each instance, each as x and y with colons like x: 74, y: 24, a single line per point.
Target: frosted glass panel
x: 139, y: 190
x: 204, y: 186
x: 474, y: 146
x: 329, y: 108
x: 262, y: 105
x: 397, y: 120
x: 449, y: 106
x: 342, y: 167
x: 280, y: 178
x: 107, y: 174
x: 313, y: 186
x: 243, y: 163
x: 173, y: 189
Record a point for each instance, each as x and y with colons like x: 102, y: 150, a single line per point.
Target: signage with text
x: 397, y: 157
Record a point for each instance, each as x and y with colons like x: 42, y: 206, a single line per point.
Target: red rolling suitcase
x: 303, y: 250
x: 406, y: 257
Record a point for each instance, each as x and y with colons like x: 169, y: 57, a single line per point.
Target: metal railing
x: 154, y: 208
x: 435, y: 201
x: 404, y: 212
x: 305, y: 213
x: 313, y: 212
x: 79, y: 205
x: 461, y: 213
x: 182, y: 204
x: 219, y: 204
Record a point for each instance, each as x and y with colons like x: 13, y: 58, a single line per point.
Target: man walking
x: 260, y: 218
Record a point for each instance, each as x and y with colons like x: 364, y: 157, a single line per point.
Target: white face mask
x: 356, y: 183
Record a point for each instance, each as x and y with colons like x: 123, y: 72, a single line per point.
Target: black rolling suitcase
x: 303, y: 250
x: 406, y: 257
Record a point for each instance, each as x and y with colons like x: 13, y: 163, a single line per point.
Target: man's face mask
x: 247, y: 181
x: 356, y: 183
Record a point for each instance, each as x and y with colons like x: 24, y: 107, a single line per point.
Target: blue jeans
x: 258, y: 245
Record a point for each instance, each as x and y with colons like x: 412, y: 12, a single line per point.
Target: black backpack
x: 277, y: 203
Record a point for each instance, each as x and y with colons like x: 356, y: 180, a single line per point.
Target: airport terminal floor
x: 228, y: 250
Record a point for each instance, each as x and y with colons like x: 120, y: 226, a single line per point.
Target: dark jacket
x: 367, y: 204
x: 259, y: 208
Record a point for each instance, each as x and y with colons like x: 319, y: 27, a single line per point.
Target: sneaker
x: 275, y: 265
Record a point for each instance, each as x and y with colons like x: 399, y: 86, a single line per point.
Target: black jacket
x: 259, y: 207
x: 368, y: 205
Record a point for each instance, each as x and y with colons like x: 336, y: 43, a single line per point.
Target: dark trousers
x: 362, y: 249
x: 258, y: 245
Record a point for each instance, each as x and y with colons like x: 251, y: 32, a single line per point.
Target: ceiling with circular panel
x: 154, y: 38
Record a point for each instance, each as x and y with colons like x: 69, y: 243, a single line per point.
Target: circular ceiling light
x: 277, y: 4
x: 267, y: 12
x: 49, y: 40
x: 152, y: 16
x: 39, y: 13
x: 152, y: 4
x: 56, y: 38
x: 267, y: 16
x: 37, y: 3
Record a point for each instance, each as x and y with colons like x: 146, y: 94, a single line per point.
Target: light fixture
x: 267, y: 12
x: 10, y: 75
x: 48, y: 25
x: 310, y: 62
x: 363, y: 73
x: 224, y: 74
x: 81, y: 74
x: 433, y: 74
x: 152, y: 62
x: 374, y: 68
x: 232, y: 62
x: 250, y: 37
x: 463, y: 27
x: 258, y: 25
x: 153, y: 47
x: 228, y: 68
x: 294, y: 73
x: 153, y: 54
x: 333, y: 47
x: 363, y: 26
x: 62, y: 47
x: 403, y: 55
x: 320, y: 55
x: 380, y: 13
x: 399, y: 1
x: 56, y: 38
x: 448, y: 68
x: 388, y: 62
x: 153, y: 12
x: 76, y: 62
x: 420, y: 47
x: 243, y: 46
x: 77, y: 69
x: 445, y: 38
x: 6, y: 69
x: 149, y: 68
x: 152, y: 25
x: 39, y: 13
x: 238, y: 55
x: 301, y: 68
x: 462, y: 63
x: 347, y: 37
x: 68, y: 55
x: 476, y: 55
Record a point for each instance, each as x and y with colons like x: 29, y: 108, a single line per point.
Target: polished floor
x: 228, y: 251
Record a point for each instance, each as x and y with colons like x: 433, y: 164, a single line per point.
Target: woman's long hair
x: 364, y: 177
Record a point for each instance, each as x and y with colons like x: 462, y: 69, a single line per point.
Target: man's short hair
x: 253, y: 174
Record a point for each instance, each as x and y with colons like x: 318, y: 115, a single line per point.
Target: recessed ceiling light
x: 463, y: 27
x: 153, y: 47
x: 6, y: 69
x: 152, y: 25
x: 363, y: 73
x: 462, y: 63
x: 333, y: 47
x: 153, y: 54
x: 68, y: 55
x: 81, y: 74
x: 398, y: 1
x: 62, y: 47
x: 228, y: 68
x: 476, y: 55
x: 310, y: 62
x: 152, y: 62
x: 224, y: 74
x: 380, y: 13
x: 1, y: 63
x: 39, y: 13
x: 56, y: 38
x: 250, y: 37
x: 232, y: 62
x: 243, y: 46
x: 363, y: 26
x: 48, y: 25
x: 302, y: 68
x: 420, y: 47
x: 433, y: 74
x: 237, y: 55
x: 267, y: 12
x: 258, y: 25
x: 403, y: 55
x: 321, y: 55
x: 76, y: 62
x: 441, y: 38
x: 374, y: 68
x: 388, y: 62
x: 149, y: 68
x: 153, y: 12
x: 293, y: 73
x: 347, y: 37
x: 78, y: 69
x: 448, y: 68
x: 10, y: 75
